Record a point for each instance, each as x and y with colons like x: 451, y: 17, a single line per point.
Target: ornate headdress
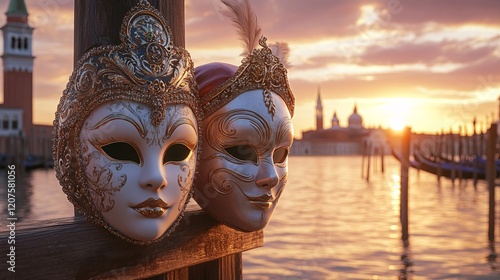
x: 144, y: 68
x: 264, y: 68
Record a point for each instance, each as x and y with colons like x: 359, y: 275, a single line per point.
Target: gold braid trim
x: 259, y: 70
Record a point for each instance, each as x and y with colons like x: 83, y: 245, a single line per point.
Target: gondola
x: 449, y: 169
x: 398, y: 156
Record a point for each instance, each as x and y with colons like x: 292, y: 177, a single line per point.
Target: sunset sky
x: 430, y: 65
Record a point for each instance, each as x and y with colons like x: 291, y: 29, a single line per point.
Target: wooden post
x: 405, y: 166
x: 439, y: 155
x: 491, y: 176
x: 481, y: 143
x: 369, y: 151
x: 382, y: 155
x: 363, y: 151
x: 474, y: 151
x: 452, y: 153
x: 460, y: 154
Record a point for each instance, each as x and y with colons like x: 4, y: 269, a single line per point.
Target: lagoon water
x: 332, y: 224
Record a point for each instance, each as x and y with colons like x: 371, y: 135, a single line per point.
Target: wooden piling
x: 363, y: 151
x: 452, y: 153
x: 382, y: 155
x: 491, y: 176
x: 369, y: 152
x: 439, y: 155
x: 475, y: 152
x: 405, y: 166
x: 460, y: 154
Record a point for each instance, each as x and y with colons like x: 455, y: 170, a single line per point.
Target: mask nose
x: 267, y: 177
x: 152, y: 176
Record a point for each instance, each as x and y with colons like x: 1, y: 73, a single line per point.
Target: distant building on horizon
x: 354, y: 139
x: 18, y: 134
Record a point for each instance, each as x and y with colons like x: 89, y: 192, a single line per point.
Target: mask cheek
x: 225, y: 176
x: 104, y: 178
x: 181, y: 175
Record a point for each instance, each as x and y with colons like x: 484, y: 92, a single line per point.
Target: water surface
x: 332, y: 224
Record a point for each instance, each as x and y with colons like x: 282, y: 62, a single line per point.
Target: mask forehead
x: 247, y: 119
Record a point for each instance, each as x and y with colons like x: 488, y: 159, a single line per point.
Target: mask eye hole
x: 243, y: 152
x: 121, y: 151
x: 280, y: 155
x: 176, y: 152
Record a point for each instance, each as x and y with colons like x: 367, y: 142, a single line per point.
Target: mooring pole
x: 475, y: 151
x: 439, y: 154
x: 382, y: 155
x: 460, y: 154
x: 363, y: 151
x: 491, y: 176
x: 368, y: 162
x: 405, y: 166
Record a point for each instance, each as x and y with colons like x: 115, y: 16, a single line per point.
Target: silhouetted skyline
x: 431, y: 65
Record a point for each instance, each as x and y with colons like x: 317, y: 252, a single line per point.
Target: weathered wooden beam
x: 72, y: 248
x: 98, y: 22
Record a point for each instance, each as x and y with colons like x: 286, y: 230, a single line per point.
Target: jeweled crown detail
x: 259, y: 70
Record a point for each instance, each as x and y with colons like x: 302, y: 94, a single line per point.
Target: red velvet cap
x: 211, y: 75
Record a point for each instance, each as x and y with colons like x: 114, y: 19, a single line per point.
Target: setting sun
x: 397, y: 124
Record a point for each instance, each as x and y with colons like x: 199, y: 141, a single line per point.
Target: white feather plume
x: 243, y: 17
x: 282, y: 51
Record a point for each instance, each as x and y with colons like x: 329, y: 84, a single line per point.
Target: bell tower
x: 18, y: 62
x: 319, y: 112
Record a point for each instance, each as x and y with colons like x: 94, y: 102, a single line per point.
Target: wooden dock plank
x: 72, y: 248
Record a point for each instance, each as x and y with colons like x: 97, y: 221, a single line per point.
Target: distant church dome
x: 355, y: 120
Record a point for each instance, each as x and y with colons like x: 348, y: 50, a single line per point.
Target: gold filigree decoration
x: 259, y: 70
x: 184, y: 182
x: 146, y: 68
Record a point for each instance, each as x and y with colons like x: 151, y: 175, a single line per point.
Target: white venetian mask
x: 138, y: 175
x: 243, y: 166
x: 126, y: 131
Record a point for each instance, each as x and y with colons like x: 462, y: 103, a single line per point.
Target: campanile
x: 18, y: 62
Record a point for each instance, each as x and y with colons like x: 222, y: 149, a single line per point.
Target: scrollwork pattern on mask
x: 224, y: 180
x: 223, y: 127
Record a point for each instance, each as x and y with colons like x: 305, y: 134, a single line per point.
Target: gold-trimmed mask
x: 144, y: 86
x: 247, y: 130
